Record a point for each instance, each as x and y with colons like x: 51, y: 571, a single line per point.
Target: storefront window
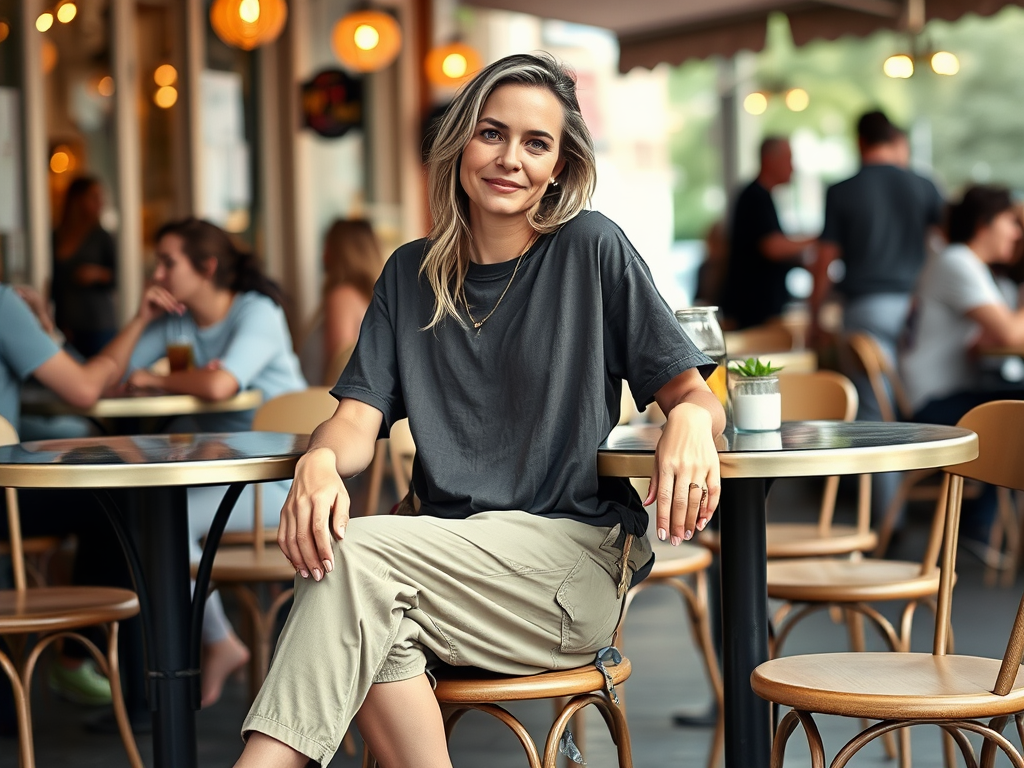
x: 13, y: 260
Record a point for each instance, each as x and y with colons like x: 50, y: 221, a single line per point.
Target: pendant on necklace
x: 477, y: 325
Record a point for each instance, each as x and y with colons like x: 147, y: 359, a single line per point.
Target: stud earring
x: 553, y: 182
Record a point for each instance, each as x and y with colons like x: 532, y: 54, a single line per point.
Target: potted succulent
x: 756, y: 400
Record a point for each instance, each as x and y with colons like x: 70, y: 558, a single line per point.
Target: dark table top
x: 151, y: 460
x: 805, y: 449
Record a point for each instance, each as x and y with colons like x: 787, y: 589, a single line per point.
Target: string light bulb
x: 899, y: 67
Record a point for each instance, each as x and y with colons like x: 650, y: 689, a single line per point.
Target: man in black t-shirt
x: 877, y: 223
x: 760, y: 254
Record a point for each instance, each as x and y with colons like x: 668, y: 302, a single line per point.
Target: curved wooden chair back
x: 1000, y: 429
x: 761, y: 338
x: 298, y: 412
x: 337, y: 364
x: 9, y: 436
x: 826, y: 395
x: 881, y: 371
x: 822, y: 395
x: 403, y: 450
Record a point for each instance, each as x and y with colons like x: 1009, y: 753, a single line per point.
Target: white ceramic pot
x: 756, y: 403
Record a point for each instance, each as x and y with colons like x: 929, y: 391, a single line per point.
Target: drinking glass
x: 700, y: 324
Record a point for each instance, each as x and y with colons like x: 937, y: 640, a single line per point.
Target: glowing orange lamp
x: 248, y: 24
x: 366, y: 41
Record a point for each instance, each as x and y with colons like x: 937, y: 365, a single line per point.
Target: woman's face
x: 999, y: 237
x: 174, y: 270
x: 515, y: 152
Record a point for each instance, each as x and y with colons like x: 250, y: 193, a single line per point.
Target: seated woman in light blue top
x: 219, y: 302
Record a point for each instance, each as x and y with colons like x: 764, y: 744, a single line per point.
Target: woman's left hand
x: 687, y: 480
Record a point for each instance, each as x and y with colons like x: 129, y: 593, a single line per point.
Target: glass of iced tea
x: 700, y: 324
x: 179, y: 355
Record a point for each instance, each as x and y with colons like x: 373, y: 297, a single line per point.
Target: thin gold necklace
x: 478, y: 323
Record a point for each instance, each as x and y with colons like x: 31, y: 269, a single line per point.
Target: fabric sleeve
x: 644, y: 344
x: 24, y: 345
x: 964, y: 283
x: 831, y: 230
x: 151, y: 346
x: 372, y: 374
x: 252, y: 345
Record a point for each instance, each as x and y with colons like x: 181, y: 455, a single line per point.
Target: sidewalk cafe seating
x: 32, y: 619
x: 956, y: 693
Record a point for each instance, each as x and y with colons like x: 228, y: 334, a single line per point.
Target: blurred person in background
x: 84, y: 270
x: 760, y: 253
x: 352, y: 260
x: 212, y: 296
x: 958, y: 308
x: 876, y: 222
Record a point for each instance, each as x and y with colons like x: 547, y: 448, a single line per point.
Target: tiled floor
x: 667, y: 677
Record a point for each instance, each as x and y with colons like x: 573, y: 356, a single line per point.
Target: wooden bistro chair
x: 821, y: 395
x: 894, y: 405
x: 48, y: 614
x: 460, y: 690
x: 956, y: 693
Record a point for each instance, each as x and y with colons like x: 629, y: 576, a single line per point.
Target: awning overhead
x: 655, y: 31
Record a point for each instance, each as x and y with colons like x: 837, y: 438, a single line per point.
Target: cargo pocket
x: 590, y: 607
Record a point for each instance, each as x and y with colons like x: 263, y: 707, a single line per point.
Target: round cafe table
x: 141, y: 404
x: 152, y: 474
x: 799, y: 449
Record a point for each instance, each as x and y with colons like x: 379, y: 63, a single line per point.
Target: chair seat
x: 456, y: 686
x: 805, y: 540
x: 50, y: 609
x: 241, y: 538
x: 33, y: 545
x: 828, y: 580
x: 672, y: 561
x: 888, y: 685
x: 246, y: 565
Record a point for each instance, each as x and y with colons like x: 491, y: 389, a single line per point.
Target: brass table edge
x: 214, y: 472
x: 811, y: 463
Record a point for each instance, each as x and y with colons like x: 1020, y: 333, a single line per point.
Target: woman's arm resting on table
x: 82, y: 384
x: 1000, y: 326
x: 687, y: 481
x: 208, y: 384
x: 340, y: 447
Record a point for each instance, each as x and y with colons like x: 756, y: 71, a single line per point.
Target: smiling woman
x: 508, y: 360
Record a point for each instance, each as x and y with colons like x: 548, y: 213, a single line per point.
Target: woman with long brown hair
x: 504, y: 337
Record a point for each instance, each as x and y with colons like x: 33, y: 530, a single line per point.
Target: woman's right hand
x: 157, y: 301
x: 317, y: 501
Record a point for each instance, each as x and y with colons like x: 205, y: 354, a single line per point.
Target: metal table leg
x: 744, y: 621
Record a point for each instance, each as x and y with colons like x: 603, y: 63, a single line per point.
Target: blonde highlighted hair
x: 447, y: 256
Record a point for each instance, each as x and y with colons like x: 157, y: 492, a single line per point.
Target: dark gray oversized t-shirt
x: 511, y: 417
x: 880, y: 218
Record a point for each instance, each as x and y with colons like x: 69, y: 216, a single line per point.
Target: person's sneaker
x: 82, y: 685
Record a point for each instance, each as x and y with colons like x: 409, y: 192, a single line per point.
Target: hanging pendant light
x: 248, y: 24
x: 366, y: 41
x: 449, y: 66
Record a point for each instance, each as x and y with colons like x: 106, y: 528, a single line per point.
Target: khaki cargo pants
x: 506, y: 591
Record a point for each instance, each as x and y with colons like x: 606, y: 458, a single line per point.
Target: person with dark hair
x: 84, y: 270
x: 211, y: 296
x: 504, y: 337
x: 958, y: 306
x: 876, y: 223
x: 760, y: 253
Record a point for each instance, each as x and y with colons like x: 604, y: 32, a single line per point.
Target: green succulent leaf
x: 753, y: 367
